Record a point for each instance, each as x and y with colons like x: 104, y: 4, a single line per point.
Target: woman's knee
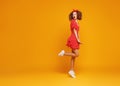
x: 77, y: 54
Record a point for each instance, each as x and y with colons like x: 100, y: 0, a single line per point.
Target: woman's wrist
x: 78, y: 40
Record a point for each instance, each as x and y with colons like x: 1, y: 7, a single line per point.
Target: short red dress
x: 72, y: 41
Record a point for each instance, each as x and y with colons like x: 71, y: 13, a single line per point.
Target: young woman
x: 73, y: 41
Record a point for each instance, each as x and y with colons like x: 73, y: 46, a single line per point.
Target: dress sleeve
x: 74, y: 25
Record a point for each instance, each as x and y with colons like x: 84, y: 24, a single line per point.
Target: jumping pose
x: 73, y: 41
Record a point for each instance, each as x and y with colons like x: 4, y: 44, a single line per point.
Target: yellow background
x: 33, y: 32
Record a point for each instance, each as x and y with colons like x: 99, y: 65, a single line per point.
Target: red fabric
x: 74, y: 10
x: 72, y: 41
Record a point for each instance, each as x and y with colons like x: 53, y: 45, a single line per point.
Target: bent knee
x: 77, y: 55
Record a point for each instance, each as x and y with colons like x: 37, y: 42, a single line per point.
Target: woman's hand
x: 79, y: 41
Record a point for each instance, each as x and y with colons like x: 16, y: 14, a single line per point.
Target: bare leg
x: 72, y: 63
x: 73, y: 59
x: 74, y: 53
x: 69, y: 54
x: 71, y: 72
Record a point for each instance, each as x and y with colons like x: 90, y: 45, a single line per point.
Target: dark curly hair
x: 79, y: 15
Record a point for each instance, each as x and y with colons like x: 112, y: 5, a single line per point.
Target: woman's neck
x: 76, y: 21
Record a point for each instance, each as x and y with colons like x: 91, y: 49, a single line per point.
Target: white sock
x: 72, y: 73
x: 61, y: 53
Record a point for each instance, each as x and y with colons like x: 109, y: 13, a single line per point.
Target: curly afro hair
x: 79, y: 15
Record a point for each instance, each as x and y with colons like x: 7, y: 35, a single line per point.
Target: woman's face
x: 74, y: 15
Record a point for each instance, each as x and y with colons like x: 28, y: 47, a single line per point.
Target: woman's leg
x: 71, y: 71
x: 72, y: 63
x: 69, y: 54
x: 73, y: 58
x: 74, y: 53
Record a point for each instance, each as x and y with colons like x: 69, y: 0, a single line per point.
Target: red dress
x: 72, y: 41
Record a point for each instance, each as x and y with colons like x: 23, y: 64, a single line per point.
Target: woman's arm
x: 76, y: 35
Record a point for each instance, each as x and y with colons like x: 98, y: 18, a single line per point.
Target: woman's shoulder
x: 72, y: 21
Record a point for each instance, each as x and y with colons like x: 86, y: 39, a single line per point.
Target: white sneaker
x: 61, y: 53
x: 72, y: 73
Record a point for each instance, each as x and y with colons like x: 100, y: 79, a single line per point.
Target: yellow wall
x: 32, y: 32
